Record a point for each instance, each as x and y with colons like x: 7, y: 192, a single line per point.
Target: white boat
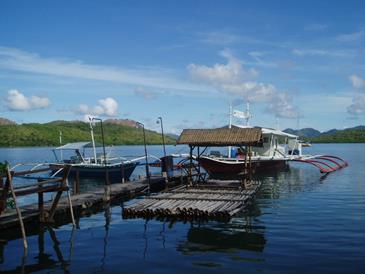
x: 92, y: 167
x: 272, y: 151
x: 99, y: 165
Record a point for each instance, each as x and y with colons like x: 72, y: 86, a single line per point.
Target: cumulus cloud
x: 17, y: 101
x: 106, y: 107
x: 357, y: 82
x: 220, y: 74
x: 357, y: 107
x: 233, y: 79
x: 281, y: 105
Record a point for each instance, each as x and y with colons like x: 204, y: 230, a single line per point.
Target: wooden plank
x: 198, y: 199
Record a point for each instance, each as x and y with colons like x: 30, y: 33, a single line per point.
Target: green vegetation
x: 348, y: 135
x: 48, y: 134
x: 341, y: 136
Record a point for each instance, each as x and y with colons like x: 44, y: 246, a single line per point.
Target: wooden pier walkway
x: 210, y: 200
x: 80, y: 202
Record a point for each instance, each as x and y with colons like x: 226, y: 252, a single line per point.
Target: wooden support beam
x: 41, y: 206
x: 9, y: 179
x: 54, y: 206
x: 4, y: 195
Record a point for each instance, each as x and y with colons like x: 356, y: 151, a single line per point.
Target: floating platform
x: 211, y: 200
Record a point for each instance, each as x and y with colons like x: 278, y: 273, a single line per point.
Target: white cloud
x: 357, y: 107
x: 357, y: 82
x: 218, y: 37
x: 351, y: 37
x: 282, y: 106
x: 105, y: 107
x: 18, y: 60
x: 17, y: 101
x: 323, y: 52
x: 220, y: 74
x: 232, y: 78
x: 146, y: 94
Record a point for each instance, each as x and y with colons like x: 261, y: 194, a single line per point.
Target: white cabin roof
x: 271, y: 131
x: 74, y: 146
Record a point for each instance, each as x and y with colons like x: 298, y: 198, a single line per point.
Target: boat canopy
x: 77, y: 145
x: 221, y: 137
x: 270, y: 131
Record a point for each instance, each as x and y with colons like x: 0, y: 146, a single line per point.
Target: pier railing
x: 9, y: 191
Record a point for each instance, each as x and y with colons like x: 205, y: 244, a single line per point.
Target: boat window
x: 266, y: 139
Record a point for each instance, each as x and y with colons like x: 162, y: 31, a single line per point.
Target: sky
x: 298, y: 64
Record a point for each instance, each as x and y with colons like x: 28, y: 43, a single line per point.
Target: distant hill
x: 304, y: 132
x: 4, y: 121
x: 116, y: 133
x: 122, y: 122
x: 348, y: 135
x: 173, y: 136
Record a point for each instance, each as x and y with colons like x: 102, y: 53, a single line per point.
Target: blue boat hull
x: 115, y: 172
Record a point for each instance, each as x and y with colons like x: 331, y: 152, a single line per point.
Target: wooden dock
x: 80, y: 202
x: 210, y: 200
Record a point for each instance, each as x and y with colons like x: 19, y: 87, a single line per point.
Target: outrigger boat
x: 99, y: 165
x: 92, y: 167
x: 269, y: 149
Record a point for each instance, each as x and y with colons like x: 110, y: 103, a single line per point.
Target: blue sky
x: 296, y: 63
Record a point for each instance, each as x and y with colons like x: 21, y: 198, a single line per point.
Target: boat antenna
x: 92, y: 137
x: 277, y: 123
x: 248, y: 115
x: 230, y: 126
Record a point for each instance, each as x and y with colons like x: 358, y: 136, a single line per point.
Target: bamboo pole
x: 10, y: 178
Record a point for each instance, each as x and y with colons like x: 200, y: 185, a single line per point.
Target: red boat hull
x: 220, y: 168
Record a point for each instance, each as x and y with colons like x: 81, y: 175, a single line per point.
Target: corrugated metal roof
x: 221, y: 137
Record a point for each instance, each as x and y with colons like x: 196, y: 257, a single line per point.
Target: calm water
x: 300, y: 222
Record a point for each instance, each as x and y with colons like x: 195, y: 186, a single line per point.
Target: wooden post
x: 4, y: 196
x: 123, y: 173
x: 9, y: 180
x: 41, y: 205
x: 41, y: 241
x: 250, y: 163
x: 70, y: 204
x: 64, y: 186
x: 77, y: 182
x: 199, y: 165
x: 191, y: 166
x: 52, y: 211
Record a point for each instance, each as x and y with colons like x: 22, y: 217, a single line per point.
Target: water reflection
x: 44, y: 260
x: 208, y: 238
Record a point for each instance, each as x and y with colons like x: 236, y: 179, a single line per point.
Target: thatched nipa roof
x: 221, y: 137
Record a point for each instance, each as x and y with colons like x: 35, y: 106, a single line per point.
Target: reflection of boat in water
x: 99, y: 165
x: 210, y: 239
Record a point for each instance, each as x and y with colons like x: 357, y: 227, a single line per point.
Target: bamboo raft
x: 211, y: 200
